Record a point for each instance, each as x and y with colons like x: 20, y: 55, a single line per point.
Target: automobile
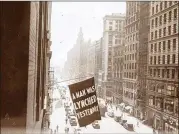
x: 96, y: 125
x: 78, y: 131
x: 123, y: 121
x: 110, y: 113
x: 73, y: 121
x: 117, y: 118
x: 129, y: 127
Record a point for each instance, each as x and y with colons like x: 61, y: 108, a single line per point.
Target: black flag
x: 85, y: 102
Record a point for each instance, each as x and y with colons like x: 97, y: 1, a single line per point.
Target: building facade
x: 118, y: 62
x: 144, y: 9
x: 98, y: 66
x: 131, y: 55
x: 162, y: 80
x: 111, y: 28
x: 25, y: 45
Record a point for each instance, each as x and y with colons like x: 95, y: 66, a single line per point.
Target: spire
x: 80, y: 34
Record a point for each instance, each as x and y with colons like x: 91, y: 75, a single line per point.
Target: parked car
x: 111, y: 113
x: 123, y: 121
x: 96, y: 125
x: 129, y: 127
x: 73, y: 121
x: 78, y: 131
x: 117, y: 118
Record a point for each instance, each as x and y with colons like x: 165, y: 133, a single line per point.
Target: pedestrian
x: 154, y: 131
x: 57, y: 128
x: 137, y: 124
x: 66, y: 120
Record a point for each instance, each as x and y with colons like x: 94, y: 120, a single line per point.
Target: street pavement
x: 107, y: 124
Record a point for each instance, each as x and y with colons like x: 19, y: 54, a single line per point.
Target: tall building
x: 118, y: 62
x: 91, y: 59
x: 162, y: 80
x: 98, y: 66
x: 25, y: 54
x: 144, y: 27
x: 112, y: 26
x: 131, y: 55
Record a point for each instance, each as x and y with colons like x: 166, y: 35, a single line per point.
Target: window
x: 152, y: 23
x: 168, y: 45
x: 170, y: 16
x: 151, y: 60
x: 173, y: 58
x: 154, y: 72
x: 168, y: 73
x: 175, y: 13
x: 169, y: 30
x: 156, y: 22
x: 165, y: 4
x: 173, y: 73
x: 161, y: 4
x: 160, y: 32
x: 151, y: 35
x: 155, y: 34
x: 158, y: 71
x: 110, y: 27
x: 165, y: 18
x: 163, y: 73
x: 159, y: 47
x: 164, y: 31
x: 150, y: 72
x: 168, y: 59
x: 151, y: 48
x: 110, y: 22
x: 174, y: 28
x: 163, y: 45
x: 160, y: 20
x: 170, y: 3
x: 158, y: 59
x: 155, y: 47
x: 156, y: 8
x: 174, y: 44
x: 152, y: 10
x: 163, y: 58
x: 154, y: 60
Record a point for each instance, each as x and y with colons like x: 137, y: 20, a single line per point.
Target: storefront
x: 170, y: 124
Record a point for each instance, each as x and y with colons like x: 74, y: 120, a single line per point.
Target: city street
x: 107, y: 124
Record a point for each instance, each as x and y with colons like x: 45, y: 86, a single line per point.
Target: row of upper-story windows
x: 132, y: 37
x: 130, y: 85
x: 166, y: 31
x: 130, y: 66
x: 164, y: 59
x: 162, y: 19
x: 130, y: 57
x: 131, y: 47
x: 162, y: 46
x: 132, y: 28
x: 130, y: 75
x: 163, y: 73
x: 162, y: 6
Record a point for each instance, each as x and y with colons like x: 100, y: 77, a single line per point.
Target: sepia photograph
x: 87, y: 67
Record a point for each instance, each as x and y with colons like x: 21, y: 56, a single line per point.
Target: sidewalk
x: 138, y: 129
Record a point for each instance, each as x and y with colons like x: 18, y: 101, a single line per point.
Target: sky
x: 68, y: 17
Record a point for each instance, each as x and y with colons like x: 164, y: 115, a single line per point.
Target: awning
x: 128, y: 107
